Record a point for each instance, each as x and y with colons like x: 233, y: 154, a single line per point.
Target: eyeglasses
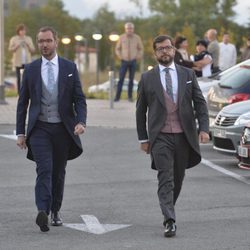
x: 40, y: 41
x: 166, y: 48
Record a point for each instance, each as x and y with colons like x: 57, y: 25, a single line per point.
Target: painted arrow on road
x: 92, y: 225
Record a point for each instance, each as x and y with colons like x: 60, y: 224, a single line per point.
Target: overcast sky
x: 86, y: 8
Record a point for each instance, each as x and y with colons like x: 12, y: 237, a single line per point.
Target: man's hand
x: 203, y: 137
x: 145, y: 147
x: 21, y: 142
x: 79, y: 129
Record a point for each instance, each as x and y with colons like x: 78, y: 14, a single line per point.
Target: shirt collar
x: 171, y: 66
x: 54, y: 60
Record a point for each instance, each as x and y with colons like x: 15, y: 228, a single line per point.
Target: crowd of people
x: 211, y: 55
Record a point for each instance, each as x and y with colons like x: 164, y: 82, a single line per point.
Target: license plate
x: 219, y: 133
x: 243, y: 152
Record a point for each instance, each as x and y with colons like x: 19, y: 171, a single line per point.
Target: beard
x: 165, y: 60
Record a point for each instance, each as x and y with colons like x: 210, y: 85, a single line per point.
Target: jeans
x: 18, y: 77
x: 131, y: 67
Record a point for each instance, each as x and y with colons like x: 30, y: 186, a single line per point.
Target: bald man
x: 214, y: 49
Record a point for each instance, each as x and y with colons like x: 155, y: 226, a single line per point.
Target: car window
x: 236, y: 78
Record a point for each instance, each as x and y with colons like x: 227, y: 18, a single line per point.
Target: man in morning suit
x: 169, y: 99
x: 52, y: 91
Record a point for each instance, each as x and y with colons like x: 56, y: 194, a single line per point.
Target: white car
x: 206, y: 83
x: 104, y: 87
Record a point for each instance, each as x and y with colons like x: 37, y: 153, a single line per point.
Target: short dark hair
x: 162, y: 38
x: 179, y: 40
x: 48, y: 28
x: 20, y: 27
x: 202, y: 42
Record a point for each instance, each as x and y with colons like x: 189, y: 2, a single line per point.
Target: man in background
x: 129, y: 49
x: 213, y: 49
x: 228, y: 54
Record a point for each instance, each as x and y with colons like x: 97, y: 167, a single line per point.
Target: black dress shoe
x: 56, y: 219
x: 42, y: 221
x: 170, y: 229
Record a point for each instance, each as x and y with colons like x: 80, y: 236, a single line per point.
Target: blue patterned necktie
x: 169, y: 86
x: 51, y: 77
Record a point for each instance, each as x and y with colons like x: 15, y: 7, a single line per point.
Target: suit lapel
x: 38, y: 81
x: 181, y: 83
x: 61, y: 77
x: 157, y: 85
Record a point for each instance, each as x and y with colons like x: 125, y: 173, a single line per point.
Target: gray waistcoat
x: 49, y: 105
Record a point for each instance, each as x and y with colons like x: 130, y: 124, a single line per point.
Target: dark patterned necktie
x: 169, y: 86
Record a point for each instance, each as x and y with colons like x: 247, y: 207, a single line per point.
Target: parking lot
x: 110, y: 195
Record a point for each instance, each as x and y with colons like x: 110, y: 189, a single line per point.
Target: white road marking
x: 225, y: 171
x: 11, y: 136
x: 92, y: 225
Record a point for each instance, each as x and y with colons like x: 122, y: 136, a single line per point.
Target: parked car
x: 228, y: 126
x: 233, y: 86
x: 104, y: 87
x: 244, y: 149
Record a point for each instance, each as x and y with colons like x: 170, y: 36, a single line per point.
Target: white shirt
x: 228, y: 55
x: 173, y: 73
x: 44, y: 69
x: 206, y: 70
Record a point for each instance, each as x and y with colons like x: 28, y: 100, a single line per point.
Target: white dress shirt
x: 44, y: 69
x: 173, y: 73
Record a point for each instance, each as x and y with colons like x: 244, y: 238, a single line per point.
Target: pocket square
x: 188, y: 82
x: 70, y: 75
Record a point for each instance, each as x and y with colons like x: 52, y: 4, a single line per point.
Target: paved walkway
x: 99, y: 113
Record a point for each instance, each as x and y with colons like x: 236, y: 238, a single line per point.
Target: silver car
x: 228, y: 126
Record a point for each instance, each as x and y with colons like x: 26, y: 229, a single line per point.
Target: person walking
x: 168, y: 101
x: 129, y: 49
x: 52, y: 92
x: 213, y: 49
x: 22, y: 46
x: 228, y: 53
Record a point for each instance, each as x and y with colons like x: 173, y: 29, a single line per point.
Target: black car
x: 232, y: 87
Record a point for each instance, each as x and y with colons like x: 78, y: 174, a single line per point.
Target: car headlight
x: 243, y: 119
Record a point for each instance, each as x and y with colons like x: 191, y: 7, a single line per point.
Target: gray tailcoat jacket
x: 151, y: 109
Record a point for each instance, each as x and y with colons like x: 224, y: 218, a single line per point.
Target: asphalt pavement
x: 110, y: 200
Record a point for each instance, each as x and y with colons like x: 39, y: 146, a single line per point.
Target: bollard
x: 2, y: 95
x: 111, y: 89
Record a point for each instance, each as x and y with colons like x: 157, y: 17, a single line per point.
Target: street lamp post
x: 79, y: 38
x: 97, y: 36
x: 113, y: 37
x: 66, y: 41
x: 2, y: 96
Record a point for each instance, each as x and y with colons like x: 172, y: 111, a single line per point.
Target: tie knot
x: 166, y: 70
